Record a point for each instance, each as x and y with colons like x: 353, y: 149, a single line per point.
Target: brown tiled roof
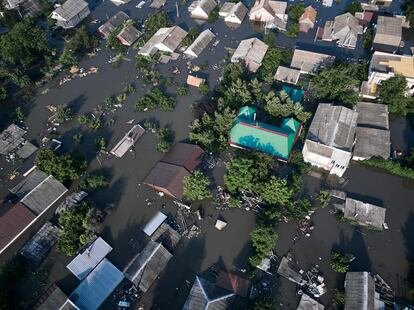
x: 184, y: 154
x: 310, y: 13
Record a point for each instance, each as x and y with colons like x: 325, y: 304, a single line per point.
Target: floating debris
x: 220, y: 224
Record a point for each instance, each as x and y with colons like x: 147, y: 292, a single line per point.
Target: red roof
x: 233, y: 283
x: 13, y: 219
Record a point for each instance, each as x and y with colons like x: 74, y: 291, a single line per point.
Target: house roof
x: 346, y: 30
x: 364, y: 213
x: 373, y: 115
x: 275, y: 140
x: 70, y: 9
x: 252, y: 52
x: 359, y: 291
x: 129, y: 35
x: 226, y: 7
x: 44, y: 195
x: 308, y: 15
x: 53, y: 298
x: 393, y: 64
x: 308, y: 303
x: 204, y: 295
x: 169, y: 37
x: 86, y: 261
x: 194, y: 81
x: 310, y: 62
x: 372, y: 142
x: 389, y: 31
x: 154, y: 223
x: 200, y: 43
x: 97, y: 286
x: 11, y: 140
x: 115, y: 21
x: 233, y: 283
x: 333, y: 126
x: 287, y: 75
x: 206, y: 5
x: 13, y: 220
x: 238, y: 10
x: 147, y: 265
x: 28, y: 183
x: 184, y: 154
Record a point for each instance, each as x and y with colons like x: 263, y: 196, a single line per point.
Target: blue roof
x: 295, y: 94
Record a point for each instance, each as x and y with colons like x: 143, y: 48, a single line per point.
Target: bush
x: 191, y: 36
x: 18, y: 115
x: 100, y: 143
x: 339, y: 262
x: 164, y: 140
x: 78, y: 138
x: 354, y: 7
x: 67, y: 60
x: 182, y: 90
x: 293, y: 31
x: 63, y: 114
x: 338, y: 297
x: 393, y: 167
x: 203, y: 88
x: 94, y: 181
x: 214, y: 15
x: 155, y: 98
x: 295, y: 11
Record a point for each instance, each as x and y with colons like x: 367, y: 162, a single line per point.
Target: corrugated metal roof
x: 372, y: 115
x: 364, y: 213
x: 129, y: 35
x: 115, y: 21
x: 85, y: 262
x: 154, y: 223
x: 287, y: 75
x: 252, y: 52
x: 28, y: 183
x: 52, y: 299
x: 97, y: 286
x: 165, y: 38
x: 11, y: 140
x: 388, y: 31
x: 359, y: 291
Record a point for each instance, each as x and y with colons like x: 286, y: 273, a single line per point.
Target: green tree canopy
x: 232, y: 72
x: 197, y: 186
x: 269, y: 65
x: 339, y: 262
x: 354, y: 7
x: 276, y: 191
x: 295, y: 11
x: 264, y: 239
x: 239, y: 175
x: 392, y: 92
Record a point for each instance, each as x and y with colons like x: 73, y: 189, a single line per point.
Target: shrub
x: 197, y: 186
x: 339, y: 262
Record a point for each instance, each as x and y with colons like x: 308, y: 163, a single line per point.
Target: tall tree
x: 197, y: 186
x: 239, y: 175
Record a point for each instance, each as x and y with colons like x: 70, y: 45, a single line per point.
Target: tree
x: 81, y: 41
x: 264, y: 239
x: 269, y: 65
x: 367, y: 39
x: 94, y: 181
x: 392, y: 92
x: 232, y: 72
x: 165, y: 137
x: 3, y: 93
x: 354, y: 7
x: 191, y: 36
x: 214, y: 15
x: 203, y: 88
x: 295, y: 11
x: 339, y: 262
x: 408, y: 7
x: 338, y: 297
x: 255, y: 88
x: 239, y: 175
x: 282, y: 106
x: 270, y: 39
x: 62, y: 167
x: 182, y: 90
x: 276, y: 191
x: 237, y: 94
x: 63, y: 114
x: 100, y: 143
x: 293, y: 30
x: 19, y: 115
x: 67, y: 60
x: 197, y: 186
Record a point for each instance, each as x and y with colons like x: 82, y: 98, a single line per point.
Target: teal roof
x: 247, y: 112
x: 295, y: 94
x: 274, y: 140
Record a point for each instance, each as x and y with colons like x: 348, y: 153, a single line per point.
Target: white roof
x: 154, y: 223
x: 85, y: 262
x: 97, y: 286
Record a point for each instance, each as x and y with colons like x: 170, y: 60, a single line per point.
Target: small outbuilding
x: 53, y: 298
x: 128, y: 141
x: 71, y: 13
x: 308, y: 19
x: 194, y: 81
x: 154, y: 223
x: 251, y: 52
x: 114, y: 22
x: 310, y: 62
x: 199, y: 44
x: 201, y: 9
x: 129, y: 35
x: 157, y: 4
x: 364, y: 213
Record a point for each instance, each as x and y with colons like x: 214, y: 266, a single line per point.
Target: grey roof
x: 372, y: 142
x: 206, y: 5
x: 147, y: 265
x: 359, y: 291
x: 28, y: 183
x: 70, y: 9
x: 44, y: 195
x: 226, y: 7
x: 311, y: 62
x: 97, y: 286
x: 86, y: 261
x: 52, y: 299
x: 169, y: 37
x: 154, y: 223
x: 37, y: 248
x: 285, y: 270
x: 346, y: 30
x: 156, y: 4
x: 320, y: 149
x: 115, y: 21
x: 287, y: 75
x: 252, y: 52
x: 364, y: 213
x: 167, y: 236
x: 11, y: 140
x: 333, y: 126
x: 200, y: 43
x: 238, y: 10
x: 389, y: 31
x: 205, y: 295
x: 372, y: 115
x: 308, y: 303
x: 129, y: 34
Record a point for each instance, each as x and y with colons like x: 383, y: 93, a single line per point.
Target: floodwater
x: 384, y: 252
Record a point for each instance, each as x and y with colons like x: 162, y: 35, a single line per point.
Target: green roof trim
x: 274, y: 140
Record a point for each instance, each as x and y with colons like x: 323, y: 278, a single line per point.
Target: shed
x: 154, y: 223
x: 13, y: 143
x: 29, y: 183
x: 14, y: 220
x: 359, y: 291
x: 115, y: 21
x: 200, y: 43
x: 129, y: 35
x: 311, y: 62
x: 44, y: 195
x: 86, y: 261
x: 287, y: 75
x: 53, y: 298
x: 236, y: 13
x: 233, y: 283
x: 201, y: 9
x: 128, y: 141
x: 251, y: 52
x: 364, y: 213
x: 308, y: 303
x: 147, y: 265
x: 97, y: 286
x: 194, y: 81
x: 286, y: 271
x: 205, y: 295
x: 37, y: 248
x: 388, y: 34
x: 184, y: 154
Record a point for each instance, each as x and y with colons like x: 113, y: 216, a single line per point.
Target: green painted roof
x: 247, y: 112
x: 274, y: 140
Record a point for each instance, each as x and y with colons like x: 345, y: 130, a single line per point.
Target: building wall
x: 199, y: 13
x: 75, y: 20
x: 231, y: 18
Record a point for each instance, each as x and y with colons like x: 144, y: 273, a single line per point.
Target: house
x: 114, y: 22
x: 359, y: 291
x: 164, y: 40
x: 13, y: 145
x: 310, y: 62
x: 167, y: 175
x: 308, y: 303
x: 308, y: 19
x: 85, y: 262
x: 278, y: 141
x: 128, y: 141
x: 194, y: 81
x: 385, y: 65
x: 287, y: 75
x: 388, y: 34
x: 268, y: 11
x: 373, y: 137
x: 96, y: 287
x: 344, y: 30
x: 251, y: 52
x: 233, y: 283
x: 205, y: 295
x: 71, y: 13
x: 199, y: 44
x: 233, y: 13
x: 128, y: 35
x: 53, y: 298
x: 145, y: 268
x: 201, y: 9
x: 330, y: 138
x: 12, y: 4
x: 364, y: 213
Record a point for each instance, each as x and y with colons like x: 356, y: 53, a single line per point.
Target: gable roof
x: 28, y: 183
x: 252, y: 52
x: 170, y: 37
x: 287, y: 75
x: 364, y: 213
x: 206, y: 5
x: 129, y: 35
x: 310, y: 62
x: 359, y: 291
x: 115, y: 21
x: 274, y: 140
x: 333, y: 126
x: 346, y: 30
x: 147, y: 265
x: 388, y: 31
x: 11, y: 140
x: 204, y: 295
x: 184, y: 154
x: 308, y: 15
x: 70, y: 9
x: 238, y: 10
x: 200, y: 43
